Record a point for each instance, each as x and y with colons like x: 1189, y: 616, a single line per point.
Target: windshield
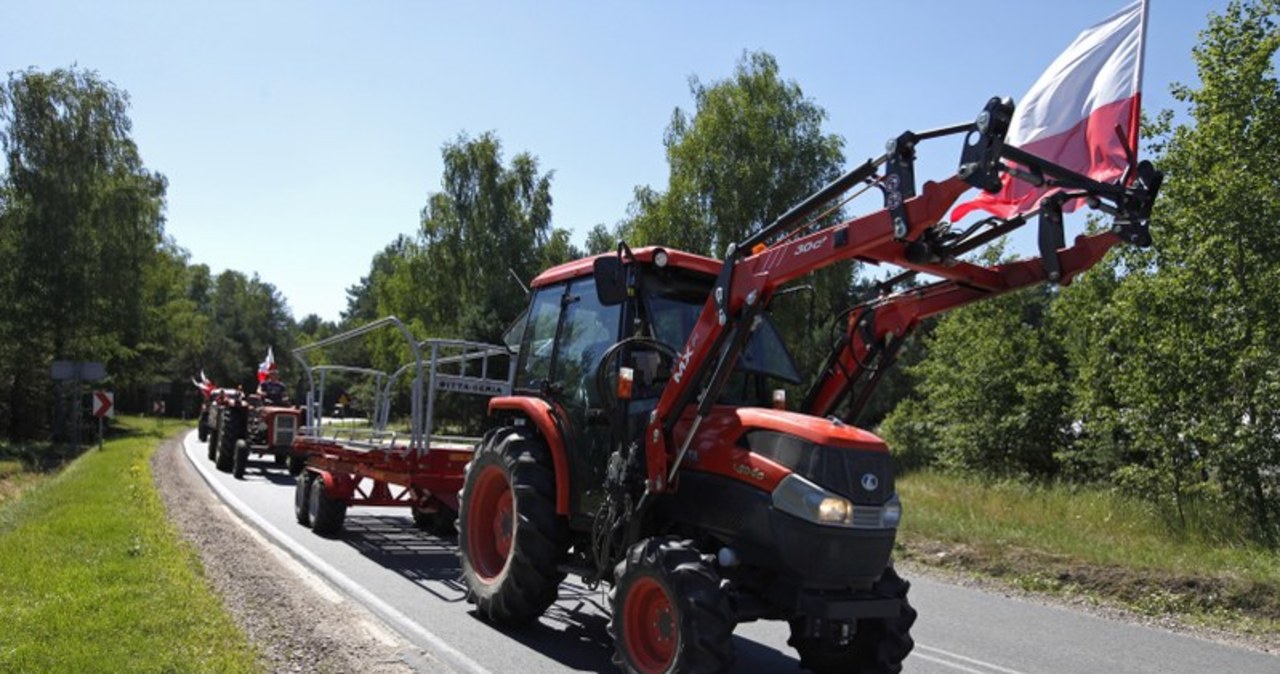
x: 674, y: 300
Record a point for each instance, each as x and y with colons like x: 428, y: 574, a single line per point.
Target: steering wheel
x: 608, y: 394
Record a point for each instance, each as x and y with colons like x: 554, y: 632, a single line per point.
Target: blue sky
x: 299, y: 138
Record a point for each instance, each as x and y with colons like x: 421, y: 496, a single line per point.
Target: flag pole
x: 1136, y: 118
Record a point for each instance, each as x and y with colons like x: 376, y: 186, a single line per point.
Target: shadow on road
x: 394, y: 543
x: 572, y: 632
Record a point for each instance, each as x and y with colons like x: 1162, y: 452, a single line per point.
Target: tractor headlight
x: 797, y: 496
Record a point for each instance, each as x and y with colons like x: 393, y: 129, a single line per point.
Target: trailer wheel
x: 437, y: 523
x: 301, y: 499
x: 232, y: 431
x: 669, y: 612
x: 297, y: 464
x: 879, y: 645
x: 510, y: 539
x: 326, y: 512
x: 241, y: 459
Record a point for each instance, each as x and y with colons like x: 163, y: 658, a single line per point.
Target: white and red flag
x: 206, y: 387
x: 1070, y: 115
x: 267, y: 366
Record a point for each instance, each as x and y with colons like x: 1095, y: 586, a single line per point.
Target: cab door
x: 567, y: 333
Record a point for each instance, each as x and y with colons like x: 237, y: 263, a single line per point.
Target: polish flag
x: 266, y: 366
x: 1071, y: 113
x: 206, y: 387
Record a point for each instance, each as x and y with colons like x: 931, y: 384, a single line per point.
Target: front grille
x: 847, y: 472
x: 286, y: 426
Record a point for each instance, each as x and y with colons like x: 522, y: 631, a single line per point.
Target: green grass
x: 1068, y: 539
x: 93, y: 577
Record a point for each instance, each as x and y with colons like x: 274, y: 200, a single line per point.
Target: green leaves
x: 1169, y: 358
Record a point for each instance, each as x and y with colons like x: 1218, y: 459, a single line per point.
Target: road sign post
x: 103, y: 406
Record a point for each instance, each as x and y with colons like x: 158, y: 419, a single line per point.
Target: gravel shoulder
x: 297, y: 621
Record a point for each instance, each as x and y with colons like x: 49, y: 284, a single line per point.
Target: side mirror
x: 611, y: 280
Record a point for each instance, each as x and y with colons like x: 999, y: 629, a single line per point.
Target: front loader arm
x: 901, y: 233
x: 876, y: 329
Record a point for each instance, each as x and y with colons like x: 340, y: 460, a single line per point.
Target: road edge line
x: 397, y: 620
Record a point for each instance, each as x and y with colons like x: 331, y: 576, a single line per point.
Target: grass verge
x: 1091, y: 543
x: 93, y: 577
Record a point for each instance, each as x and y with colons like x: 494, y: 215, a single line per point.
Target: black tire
x: 241, y: 460
x: 213, y: 445
x: 280, y: 459
x: 439, y: 522
x: 301, y: 499
x: 202, y: 431
x: 325, y: 512
x: 510, y: 554
x: 879, y: 645
x: 232, y: 430
x: 669, y: 611
x: 296, y: 465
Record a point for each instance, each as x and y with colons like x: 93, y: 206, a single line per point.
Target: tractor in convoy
x: 237, y: 425
x: 647, y: 444
x: 642, y: 439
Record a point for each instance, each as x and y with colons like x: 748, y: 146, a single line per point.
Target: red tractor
x: 239, y: 425
x: 644, y: 444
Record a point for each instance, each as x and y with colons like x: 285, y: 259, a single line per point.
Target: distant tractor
x: 237, y: 425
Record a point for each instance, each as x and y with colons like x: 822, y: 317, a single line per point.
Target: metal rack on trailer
x: 377, y: 466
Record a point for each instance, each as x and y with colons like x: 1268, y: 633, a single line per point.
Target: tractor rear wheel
x: 231, y: 431
x: 326, y: 513
x: 878, y: 646
x: 669, y: 612
x: 301, y: 499
x: 241, y: 459
x: 511, y: 541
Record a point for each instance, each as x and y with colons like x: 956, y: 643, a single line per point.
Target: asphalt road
x: 412, y: 581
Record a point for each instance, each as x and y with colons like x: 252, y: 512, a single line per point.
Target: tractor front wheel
x: 213, y: 445
x: 511, y: 541
x: 302, y: 500
x: 297, y: 464
x: 669, y: 612
x: 231, y: 431
x: 878, y: 646
x: 241, y: 459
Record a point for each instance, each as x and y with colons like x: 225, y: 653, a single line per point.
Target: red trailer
x: 377, y: 461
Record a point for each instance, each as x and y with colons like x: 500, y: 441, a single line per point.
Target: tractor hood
x: 763, y: 446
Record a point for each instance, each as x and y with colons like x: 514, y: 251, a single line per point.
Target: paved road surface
x: 411, y: 580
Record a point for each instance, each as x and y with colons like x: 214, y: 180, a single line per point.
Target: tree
x: 82, y: 223
x: 991, y: 395
x: 752, y: 148
x: 1197, y: 388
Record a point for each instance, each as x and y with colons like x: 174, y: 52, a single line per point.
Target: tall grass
x: 1083, y: 524
x: 94, y: 579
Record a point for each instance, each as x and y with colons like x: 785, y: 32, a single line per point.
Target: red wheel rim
x: 650, y: 626
x: 491, y: 523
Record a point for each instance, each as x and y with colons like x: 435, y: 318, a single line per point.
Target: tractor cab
x: 603, y: 355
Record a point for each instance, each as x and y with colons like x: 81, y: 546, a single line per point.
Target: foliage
x: 752, y: 149
x: 1170, y: 361
x: 81, y: 225
x: 990, y: 396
